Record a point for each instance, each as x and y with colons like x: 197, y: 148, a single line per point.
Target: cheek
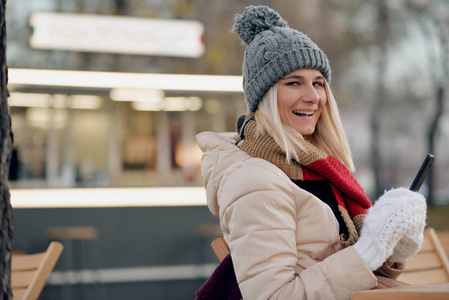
x: 323, y: 101
x: 283, y: 109
x: 285, y: 100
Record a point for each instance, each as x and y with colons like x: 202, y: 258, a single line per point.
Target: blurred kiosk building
x: 113, y: 129
x: 130, y: 130
x: 116, y: 152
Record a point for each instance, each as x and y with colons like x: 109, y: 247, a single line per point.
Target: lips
x: 302, y: 113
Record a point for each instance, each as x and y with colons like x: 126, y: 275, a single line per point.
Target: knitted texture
x: 273, y: 50
x: 313, y: 164
x: 393, y: 228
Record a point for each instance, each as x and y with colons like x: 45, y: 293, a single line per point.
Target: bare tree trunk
x: 6, y: 227
x: 439, y: 74
x: 375, y: 149
x: 376, y: 112
x: 439, y: 101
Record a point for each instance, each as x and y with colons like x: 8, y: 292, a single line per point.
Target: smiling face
x: 301, y: 97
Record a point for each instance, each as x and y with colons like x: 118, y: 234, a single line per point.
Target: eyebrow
x: 299, y: 77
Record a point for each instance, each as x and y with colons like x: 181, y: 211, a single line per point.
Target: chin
x: 306, y: 132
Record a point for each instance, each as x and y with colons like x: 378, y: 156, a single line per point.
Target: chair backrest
x: 220, y: 247
x: 430, y: 265
x: 29, y: 272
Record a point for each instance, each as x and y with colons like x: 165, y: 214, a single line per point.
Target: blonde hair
x: 329, y: 135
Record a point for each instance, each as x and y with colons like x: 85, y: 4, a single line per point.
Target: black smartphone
x: 422, y: 173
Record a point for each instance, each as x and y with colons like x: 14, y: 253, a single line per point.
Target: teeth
x: 307, y: 113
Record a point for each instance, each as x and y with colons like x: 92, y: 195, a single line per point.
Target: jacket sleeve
x: 260, y: 219
x: 390, y: 272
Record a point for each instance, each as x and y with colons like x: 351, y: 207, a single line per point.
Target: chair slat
x: 419, y: 292
x: 18, y: 293
x: 423, y: 261
x: 424, y: 277
x: 22, y: 279
x: 26, y: 262
x: 443, y: 236
x: 427, y: 245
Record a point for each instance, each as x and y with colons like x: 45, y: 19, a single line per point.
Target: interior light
x: 177, y: 104
x: 183, y: 103
x: 148, y: 106
x: 125, y: 80
x: 136, y: 94
x: 44, y: 117
x: 55, y: 100
x: 212, y: 106
x: 170, y: 104
x: 85, y: 102
x: 108, y: 197
x: 58, y: 101
x: 28, y: 100
x: 195, y: 103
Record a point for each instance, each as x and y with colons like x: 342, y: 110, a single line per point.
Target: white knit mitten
x: 393, y: 228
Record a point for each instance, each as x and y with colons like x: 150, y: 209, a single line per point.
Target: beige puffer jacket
x: 284, y: 241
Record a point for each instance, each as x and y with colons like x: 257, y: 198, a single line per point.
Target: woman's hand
x: 393, y: 228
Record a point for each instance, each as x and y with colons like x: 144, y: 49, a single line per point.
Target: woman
x: 292, y: 214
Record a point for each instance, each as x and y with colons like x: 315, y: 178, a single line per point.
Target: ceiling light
x: 108, y: 197
x: 136, y: 94
x: 170, y: 104
x: 90, y: 79
x: 55, y: 101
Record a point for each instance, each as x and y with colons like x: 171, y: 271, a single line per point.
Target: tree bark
x: 376, y: 112
x: 439, y: 101
x: 6, y: 227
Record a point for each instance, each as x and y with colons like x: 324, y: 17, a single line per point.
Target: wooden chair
x: 220, y: 247
x: 29, y: 272
x: 430, y: 265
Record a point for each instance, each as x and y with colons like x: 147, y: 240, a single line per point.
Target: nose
x: 310, y: 95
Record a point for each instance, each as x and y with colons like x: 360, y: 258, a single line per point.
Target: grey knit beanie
x: 273, y: 51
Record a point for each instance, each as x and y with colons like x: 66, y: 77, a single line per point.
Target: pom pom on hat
x: 254, y: 20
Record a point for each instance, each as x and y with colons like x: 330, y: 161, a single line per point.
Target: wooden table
x: 438, y: 291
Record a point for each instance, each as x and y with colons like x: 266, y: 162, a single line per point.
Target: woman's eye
x: 293, y: 83
x: 318, y: 84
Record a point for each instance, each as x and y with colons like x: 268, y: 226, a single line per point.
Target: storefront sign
x: 116, y: 34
